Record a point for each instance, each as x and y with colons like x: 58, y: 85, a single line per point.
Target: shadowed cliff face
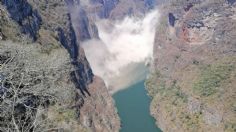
x: 84, y: 14
x: 231, y: 1
x: 84, y: 26
x: 193, y: 72
x: 49, y: 24
x: 28, y: 19
x: 107, y: 6
x: 117, y: 9
x: 91, y: 29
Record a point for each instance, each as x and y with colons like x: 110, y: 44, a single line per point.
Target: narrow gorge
x: 121, y: 55
x: 117, y: 65
x: 45, y: 74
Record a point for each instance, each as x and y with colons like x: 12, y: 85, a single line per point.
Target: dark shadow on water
x: 133, y: 108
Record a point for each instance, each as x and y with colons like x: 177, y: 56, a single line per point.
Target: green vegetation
x: 170, y: 97
x: 63, y: 114
x: 173, y: 100
x: 153, y: 84
x: 67, y: 114
x: 230, y: 127
x: 174, y: 95
x: 191, y: 122
x: 211, y: 78
x: 156, y: 85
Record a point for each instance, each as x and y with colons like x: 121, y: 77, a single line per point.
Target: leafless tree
x: 21, y: 109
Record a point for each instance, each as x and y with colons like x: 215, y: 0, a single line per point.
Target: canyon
x: 45, y: 74
x: 109, y: 65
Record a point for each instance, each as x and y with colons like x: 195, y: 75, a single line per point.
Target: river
x: 133, y: 108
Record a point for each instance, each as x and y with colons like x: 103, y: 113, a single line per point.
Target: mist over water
x: 124, y: 47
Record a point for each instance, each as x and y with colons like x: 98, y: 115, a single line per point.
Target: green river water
x: 133, y: 108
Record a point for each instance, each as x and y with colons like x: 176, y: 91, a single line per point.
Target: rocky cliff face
x: 39, y: 37
x: 193, y: 72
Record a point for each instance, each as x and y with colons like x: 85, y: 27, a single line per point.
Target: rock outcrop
x: 42, y: 36
x: 193, y: 72
x: 27, y: 18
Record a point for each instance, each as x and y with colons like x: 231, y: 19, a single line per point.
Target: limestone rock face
x: 69, y: 96
x: 193, y: 74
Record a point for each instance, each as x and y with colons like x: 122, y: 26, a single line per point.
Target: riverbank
x: 133, y: 108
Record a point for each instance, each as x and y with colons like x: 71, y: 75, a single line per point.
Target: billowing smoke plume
x: 124, y: 47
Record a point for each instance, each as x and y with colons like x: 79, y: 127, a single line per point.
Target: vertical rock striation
x: 49, y: 24
x: 22, y: 12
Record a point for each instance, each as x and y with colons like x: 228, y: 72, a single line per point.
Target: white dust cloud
x: 124, y: 47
